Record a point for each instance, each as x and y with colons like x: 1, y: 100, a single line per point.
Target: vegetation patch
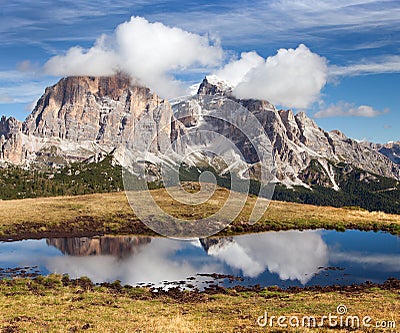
x: 57, y: 303
x: 357, y: 187
x: 110, y: 213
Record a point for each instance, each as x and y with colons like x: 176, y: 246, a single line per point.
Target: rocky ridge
x: 391, y: 150
x: 297, y: 140
x: 82, y: 118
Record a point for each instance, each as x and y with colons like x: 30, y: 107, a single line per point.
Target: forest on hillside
x: 382, y: 194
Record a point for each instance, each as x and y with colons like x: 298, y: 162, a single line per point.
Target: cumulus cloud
x: 151, y: 53
x: 291, y: 78
x: 98, y: 60
x: 343, y: 109
x: 154, y: 54
x: 234, y: 72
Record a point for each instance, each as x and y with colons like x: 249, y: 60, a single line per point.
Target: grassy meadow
x: 51, y: 304
x: 57, y: 304
x: 110, y: 213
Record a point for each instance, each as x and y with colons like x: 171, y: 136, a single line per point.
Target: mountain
x: 11, y: 143
x: 298, y: 142
x: 85, y: 119
x: 391, y: 150
x: 80, y: 117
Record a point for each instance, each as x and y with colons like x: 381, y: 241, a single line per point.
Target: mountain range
x: 84, y: 119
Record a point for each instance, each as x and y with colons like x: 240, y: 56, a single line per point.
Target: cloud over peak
x: 234, y: 72
x: 151, y: 53
x: 154, y: 55
x: 291, y: 78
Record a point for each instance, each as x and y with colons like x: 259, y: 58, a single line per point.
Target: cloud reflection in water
x: 292, y: 255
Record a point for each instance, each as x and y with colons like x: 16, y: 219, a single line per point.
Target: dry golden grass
x: 111, y: 213
x: 36, y: 307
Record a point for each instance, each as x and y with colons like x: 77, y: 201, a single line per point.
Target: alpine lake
x: 284, y: 259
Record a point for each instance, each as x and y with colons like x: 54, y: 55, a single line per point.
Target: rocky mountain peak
x: 287, y: 115
x: 81, y: 116
x: 11, y: 147
x: 297, y: 140
x: 391, y: 150
x: 212, y: 85
x: 392, y: 144
x: 73, y: 99
x: 98, y: 109
x: 303, y: 120
x: 119, y: 247
x: 9, y: 126
x: 339, y: 134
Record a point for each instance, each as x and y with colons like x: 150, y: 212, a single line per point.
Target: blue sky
x: 359, y: 39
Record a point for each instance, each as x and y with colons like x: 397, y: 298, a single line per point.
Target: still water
x: 286, y: 258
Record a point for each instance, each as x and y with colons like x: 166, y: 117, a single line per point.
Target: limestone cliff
x: 83, y: 117
x: 297, y: 141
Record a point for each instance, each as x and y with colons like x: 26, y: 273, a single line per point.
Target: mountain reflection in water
x: 120, y: 246
x: 292, y: 255
x: 286, y: 258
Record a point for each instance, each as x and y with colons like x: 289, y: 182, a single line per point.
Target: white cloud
x: 151, y: 53
x: 78, y: 61
x: 291, y: 78
x: 292, y: 255
x: 152, y: 263
x: 235, y: 71
x: 343, y: 109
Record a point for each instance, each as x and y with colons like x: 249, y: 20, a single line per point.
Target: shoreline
x: 392, y: 284
x: 149, y: 233
x: 110, y: 214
